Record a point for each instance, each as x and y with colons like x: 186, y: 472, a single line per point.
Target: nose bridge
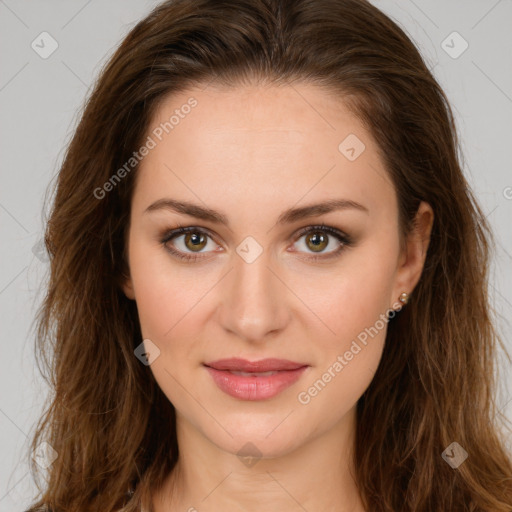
x: 254, y: 301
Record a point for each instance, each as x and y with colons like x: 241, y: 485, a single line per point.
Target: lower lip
x: 254, y: 388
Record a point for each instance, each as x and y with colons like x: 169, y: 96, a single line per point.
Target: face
x: 258, y: 274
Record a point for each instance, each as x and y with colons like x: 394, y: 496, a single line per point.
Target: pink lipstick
x: 254, y: 380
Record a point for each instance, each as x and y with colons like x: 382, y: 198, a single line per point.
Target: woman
x: 268, y: 276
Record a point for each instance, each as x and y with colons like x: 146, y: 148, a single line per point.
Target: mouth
x: 254, y: 380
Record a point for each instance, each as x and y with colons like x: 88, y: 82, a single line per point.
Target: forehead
x: 264, y: 142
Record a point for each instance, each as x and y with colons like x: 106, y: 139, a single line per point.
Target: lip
x: 263, y: 365
x: 254, y: 387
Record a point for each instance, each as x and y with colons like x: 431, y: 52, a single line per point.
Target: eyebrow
x: 288, y: 216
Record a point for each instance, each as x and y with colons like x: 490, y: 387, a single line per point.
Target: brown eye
x: 188, y: 243
x: 195, y: 241
x: 316, y: 241
x: 323, y: 240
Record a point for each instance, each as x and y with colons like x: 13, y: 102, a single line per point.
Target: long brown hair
x: 111, y: 426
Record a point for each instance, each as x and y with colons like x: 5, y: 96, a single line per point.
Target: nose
x: 254, y: 300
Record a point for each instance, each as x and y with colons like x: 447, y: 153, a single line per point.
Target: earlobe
x: 412, y: 260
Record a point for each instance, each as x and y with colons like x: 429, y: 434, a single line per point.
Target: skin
x: 252, y: 152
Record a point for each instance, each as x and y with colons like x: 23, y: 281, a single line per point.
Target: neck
x: 317, y: 475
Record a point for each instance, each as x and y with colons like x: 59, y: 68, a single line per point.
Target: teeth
x: 253, y: 374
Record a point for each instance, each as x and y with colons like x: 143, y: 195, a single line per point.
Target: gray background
x: 39, y: 103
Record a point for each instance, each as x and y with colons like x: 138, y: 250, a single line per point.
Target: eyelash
x: 344, y: 239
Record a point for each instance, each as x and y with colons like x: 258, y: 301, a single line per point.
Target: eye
x: 193, y: 239
x: 318, y: 238
x: 188, y: 242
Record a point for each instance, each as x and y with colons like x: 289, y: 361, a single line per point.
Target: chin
x: 254, y: 437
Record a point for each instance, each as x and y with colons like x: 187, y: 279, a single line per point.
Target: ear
x: 412, y: 258
x: 127, y: 287
x: 124, y: 277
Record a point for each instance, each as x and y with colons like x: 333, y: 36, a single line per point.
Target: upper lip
x: 263, y: 365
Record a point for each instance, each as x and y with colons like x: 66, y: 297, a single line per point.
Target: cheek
x: 346, y: 364
x: 172, y: 299
x: 352, y: 303
x: 355, y: 295
x: 163, y: 295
